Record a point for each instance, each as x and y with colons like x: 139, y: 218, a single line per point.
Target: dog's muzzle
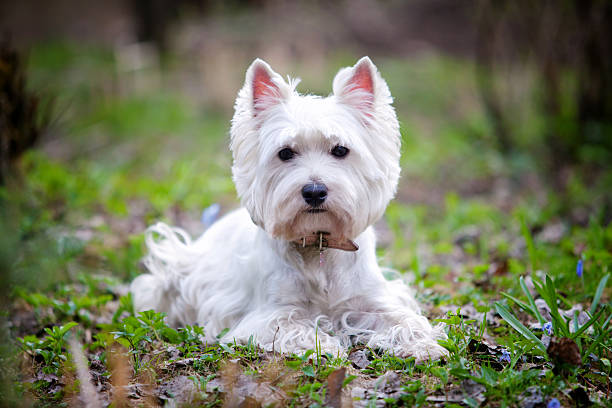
x: 322, y: 240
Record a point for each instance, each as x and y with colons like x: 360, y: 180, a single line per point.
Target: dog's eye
x: 286, y: 154
x: 340, y: 151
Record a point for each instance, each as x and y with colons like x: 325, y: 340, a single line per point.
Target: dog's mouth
x: 316, y: 210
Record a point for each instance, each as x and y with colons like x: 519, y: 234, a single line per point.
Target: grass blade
x: 539, y: 287
x: 598, y: 292
x: 531, y: 301
x: 518, y: 326
x: 597, y: 342
x: 576, y: 326
x: 552, y: 296
x: 519, y: 303
x: 589, y: 323
x: 604, y: 326
x: 551, y: 299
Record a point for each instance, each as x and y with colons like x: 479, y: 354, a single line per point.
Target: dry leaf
x: 334, y: 388
x: 564, y: 350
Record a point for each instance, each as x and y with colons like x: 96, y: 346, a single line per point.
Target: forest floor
x: 518, y: 272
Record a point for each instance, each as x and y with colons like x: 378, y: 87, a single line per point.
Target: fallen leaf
x: 334, y: 388
x: 249, y: 402
x: 359, y: 358
x: 564, y: 350
x: 181, y: 390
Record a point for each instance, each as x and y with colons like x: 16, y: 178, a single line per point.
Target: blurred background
x: 115, y: 114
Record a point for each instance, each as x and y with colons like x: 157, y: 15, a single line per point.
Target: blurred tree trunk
x: 595, y: 66
x: 22, y: 121
x: 154, y: 17
x: 568, y: 37
x: 485, y: 57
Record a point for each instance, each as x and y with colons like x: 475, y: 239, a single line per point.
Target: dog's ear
x: 360, y: 86
x: 265, y: 86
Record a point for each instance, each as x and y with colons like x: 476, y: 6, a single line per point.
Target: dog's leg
x: 389, y: 319
x: 405, y: 333
x: 283, y: 332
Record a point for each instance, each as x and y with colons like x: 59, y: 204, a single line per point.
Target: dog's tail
x: 170, y: 257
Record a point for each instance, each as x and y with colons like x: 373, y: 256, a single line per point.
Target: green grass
x: 72, y: 239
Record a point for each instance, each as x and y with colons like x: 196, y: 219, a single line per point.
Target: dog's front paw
x: 298, y: 339
x: 432, y: 352
x: 423, y: 350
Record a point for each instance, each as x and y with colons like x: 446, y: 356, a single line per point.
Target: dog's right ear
x: 362, y: 88
x: 265, y: 86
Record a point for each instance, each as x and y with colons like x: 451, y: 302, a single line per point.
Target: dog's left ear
x: 361, y: 86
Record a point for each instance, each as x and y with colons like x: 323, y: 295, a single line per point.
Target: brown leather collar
x: 323, y: 240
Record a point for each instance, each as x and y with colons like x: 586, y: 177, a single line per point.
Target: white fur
x: 245, y: 273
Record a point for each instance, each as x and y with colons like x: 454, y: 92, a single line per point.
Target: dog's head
x: 304, y: 164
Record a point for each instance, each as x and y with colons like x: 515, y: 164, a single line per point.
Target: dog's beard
x: 307, y: 221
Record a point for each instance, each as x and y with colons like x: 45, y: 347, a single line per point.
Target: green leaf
x: 518, y: 326
x: 604, y: 326
x: 223, y: 333
x: 606, y: 363
x: 171, y: 335
x: 64, y: 329
x: 489, y: 375
x: 123, y: 342
x: 441, y: 373
x: 226, y: 348
x: 308, y: 370
x: 539, y: 287
x: 589, y: 323
x: 350, y: 378
x: 307, y: 354
x: 294, y: 364
x: 550, y: 295
x: 598, y: 292
x: 534, y: 308
x: 471, y: 402
x: 518, y: 302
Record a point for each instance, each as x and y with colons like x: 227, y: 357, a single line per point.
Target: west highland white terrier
x: 296, y: 267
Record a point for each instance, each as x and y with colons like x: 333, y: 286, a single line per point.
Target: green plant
x: 137, y: 333
x: 562, y: 326
x: 192, y: 338
x: 50, y: 348
x: 73, y: 307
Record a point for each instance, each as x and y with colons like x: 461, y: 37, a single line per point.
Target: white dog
x: 296, y: 267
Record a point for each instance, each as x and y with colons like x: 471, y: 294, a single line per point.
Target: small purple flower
x: 579, y: 268
x: 553, y: 403
x: 548, y: 328
x: 505, y: 356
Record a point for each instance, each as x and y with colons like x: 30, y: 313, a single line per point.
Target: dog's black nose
x: 314, y: 194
